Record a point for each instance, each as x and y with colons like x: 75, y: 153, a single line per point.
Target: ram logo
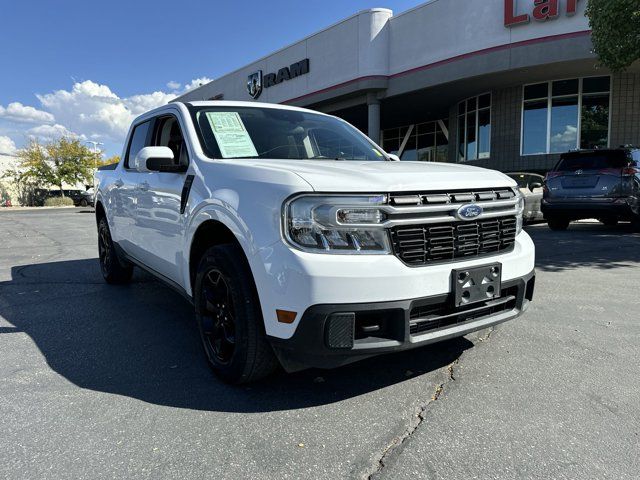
x: 254, y: 84
x: 469, y: 212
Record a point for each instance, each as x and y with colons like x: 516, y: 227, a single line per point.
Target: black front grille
x: 428, y: 244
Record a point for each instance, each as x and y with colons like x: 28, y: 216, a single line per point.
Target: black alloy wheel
x: 114, y: 270
x: 229, y: 316
x: 218, y: 317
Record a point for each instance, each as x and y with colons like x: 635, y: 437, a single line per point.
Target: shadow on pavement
x: 140, y: 341
x: 585, y: 245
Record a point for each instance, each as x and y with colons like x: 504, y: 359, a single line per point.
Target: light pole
x: 95, y: 159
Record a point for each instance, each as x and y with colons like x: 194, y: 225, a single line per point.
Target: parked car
x: 300, y: 242
x: 84, y: 199
x: 530, y: 185
x: 41, y: 194
x: 602, y: 184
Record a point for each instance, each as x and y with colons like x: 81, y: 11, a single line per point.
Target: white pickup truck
x: 302, y: 243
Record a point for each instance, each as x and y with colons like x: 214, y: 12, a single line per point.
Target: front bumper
x: 291, y: 280
x: 333, y: 335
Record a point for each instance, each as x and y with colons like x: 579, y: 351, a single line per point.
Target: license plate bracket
x: 476, y: 284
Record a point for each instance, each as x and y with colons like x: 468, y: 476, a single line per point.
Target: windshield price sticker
x: 232, y: 136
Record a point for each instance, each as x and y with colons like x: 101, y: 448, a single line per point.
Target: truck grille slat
x: 451, y: 197
x: 428, y: 244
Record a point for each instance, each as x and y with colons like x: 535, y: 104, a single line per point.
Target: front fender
x: 216, y: 210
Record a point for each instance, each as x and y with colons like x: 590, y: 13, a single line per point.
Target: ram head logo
x: 254, y: 84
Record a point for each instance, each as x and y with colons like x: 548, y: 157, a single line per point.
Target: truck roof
x: 233, y: 103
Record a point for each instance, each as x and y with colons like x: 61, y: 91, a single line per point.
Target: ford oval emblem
x: 469, y: 212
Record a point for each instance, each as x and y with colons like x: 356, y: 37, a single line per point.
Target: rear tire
x: 558, y: 223
x: 609, y: 221
x: 229, y: 317
x: 114, y: 269
x: 84, y: 203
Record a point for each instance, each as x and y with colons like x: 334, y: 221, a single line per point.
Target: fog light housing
x: 340, y: 330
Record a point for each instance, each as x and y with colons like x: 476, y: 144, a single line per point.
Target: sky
x: 88, y: 68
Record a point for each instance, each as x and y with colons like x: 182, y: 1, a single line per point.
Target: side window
x: 168, y: 134
x: 138, y: 142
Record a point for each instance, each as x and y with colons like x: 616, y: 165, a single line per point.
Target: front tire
x: 558, y: 223
x: 114, y: 269
x: 229, y: 317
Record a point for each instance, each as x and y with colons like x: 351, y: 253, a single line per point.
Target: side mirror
x: 534, y: 185
x: 394, y: 157
x: 153, y: 159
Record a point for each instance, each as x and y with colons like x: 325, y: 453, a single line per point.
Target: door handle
x: 118, y: 183
x: 144, y: 186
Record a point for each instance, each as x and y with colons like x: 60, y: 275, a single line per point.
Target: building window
x: 425, y: 142
x: 474, y: 128
x: 564, y: 115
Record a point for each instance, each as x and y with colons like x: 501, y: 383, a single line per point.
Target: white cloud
x: 96, y: 111
x: 195, y: 83
x: 52, y: 132
x: 565, y: 140
x: 139, y: 104
x: 7, y: 146
x: 88, y: 110
x: 17, y: 112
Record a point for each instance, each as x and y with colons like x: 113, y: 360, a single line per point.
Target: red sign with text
x: 540, y: 10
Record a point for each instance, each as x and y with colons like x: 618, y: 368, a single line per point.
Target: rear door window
x: 593, y: 161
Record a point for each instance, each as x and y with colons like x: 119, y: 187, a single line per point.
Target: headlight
x: 337, y: 224
x: 520, y: 212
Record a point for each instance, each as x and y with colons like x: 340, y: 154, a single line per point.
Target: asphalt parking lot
x: 98, y: 381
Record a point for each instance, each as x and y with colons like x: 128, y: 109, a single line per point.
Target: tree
x: 615, y: 26
x: 56, y: 163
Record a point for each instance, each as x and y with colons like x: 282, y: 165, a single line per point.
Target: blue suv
x: 601, y: 184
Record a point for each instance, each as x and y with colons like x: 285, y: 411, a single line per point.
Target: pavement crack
x: 381, y: 460
x: 487, y: 336
x: 394, y: 447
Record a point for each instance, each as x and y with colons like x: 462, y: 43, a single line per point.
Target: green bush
x: 58, y: 202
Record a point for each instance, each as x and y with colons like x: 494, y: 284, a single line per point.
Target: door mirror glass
x: 153, y: 159
x: 534, y: 185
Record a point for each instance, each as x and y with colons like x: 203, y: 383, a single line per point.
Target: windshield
x: 248, y: 132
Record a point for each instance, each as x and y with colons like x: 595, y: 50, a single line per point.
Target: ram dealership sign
x: 540, y: 10
x: 257, y: 81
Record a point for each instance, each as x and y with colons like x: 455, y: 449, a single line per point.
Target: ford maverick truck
x: 301, y: 243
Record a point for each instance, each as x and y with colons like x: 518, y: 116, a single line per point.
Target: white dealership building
x: 507, y: 84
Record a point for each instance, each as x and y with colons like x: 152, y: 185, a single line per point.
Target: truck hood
x: 372, y: 177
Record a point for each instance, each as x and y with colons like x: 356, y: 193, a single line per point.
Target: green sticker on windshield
x: 232, y: 137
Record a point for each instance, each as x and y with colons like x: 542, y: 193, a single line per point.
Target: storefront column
x: 373, y: 107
